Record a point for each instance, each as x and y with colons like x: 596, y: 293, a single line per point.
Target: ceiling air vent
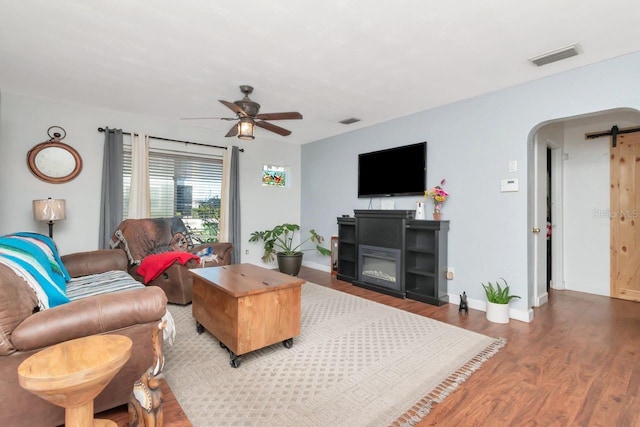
x: 349, y: 121
x: 556, y: 55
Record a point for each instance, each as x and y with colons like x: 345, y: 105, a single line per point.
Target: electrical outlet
x: 246, y: 252
x: 450, y: 273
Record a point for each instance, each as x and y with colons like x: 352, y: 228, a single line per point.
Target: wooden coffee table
x: 71, y: 374
x: 246, y: 307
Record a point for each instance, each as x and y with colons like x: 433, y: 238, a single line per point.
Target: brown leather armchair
x: 148, y: 236
x: 24, y: 331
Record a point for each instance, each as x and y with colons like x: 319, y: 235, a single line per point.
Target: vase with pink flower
x: 439, y: 195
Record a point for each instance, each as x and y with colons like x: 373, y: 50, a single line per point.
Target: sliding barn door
x: 625, y: 217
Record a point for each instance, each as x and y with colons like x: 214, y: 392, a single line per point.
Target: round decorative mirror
x: 54, y: 161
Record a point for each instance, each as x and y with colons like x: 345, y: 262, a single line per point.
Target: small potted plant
x: 279, y: 241
x: 498, y: 299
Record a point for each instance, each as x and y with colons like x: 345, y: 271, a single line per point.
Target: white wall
x: 586, y: 202
x: 470, y: 144
x: 24, y: 122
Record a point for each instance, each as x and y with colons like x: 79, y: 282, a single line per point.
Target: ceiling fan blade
x: 273, y: 128
x: 208, y: 118
x: 291, y: 115
x: 232, y: 132
x: 233, y: 107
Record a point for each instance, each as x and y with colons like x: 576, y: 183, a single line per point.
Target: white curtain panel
x: 139, y: 201
x: 224, y: 208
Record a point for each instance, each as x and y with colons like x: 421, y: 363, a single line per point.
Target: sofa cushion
x: 17, y: 302
x: 101, y: 283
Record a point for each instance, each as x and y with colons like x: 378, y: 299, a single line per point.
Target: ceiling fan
x: 247, y: 114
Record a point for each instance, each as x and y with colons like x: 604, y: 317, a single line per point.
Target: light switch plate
x: 513, y: 166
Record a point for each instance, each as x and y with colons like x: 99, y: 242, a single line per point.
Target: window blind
x: 181, y: 184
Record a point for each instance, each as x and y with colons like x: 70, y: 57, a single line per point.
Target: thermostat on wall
x: 508, y: 185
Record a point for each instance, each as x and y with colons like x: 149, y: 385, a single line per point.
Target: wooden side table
x: 71, y: 374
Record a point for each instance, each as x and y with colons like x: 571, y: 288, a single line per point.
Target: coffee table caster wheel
x: 235, y: 361
x: 199, y: 328
x: 288, y: 343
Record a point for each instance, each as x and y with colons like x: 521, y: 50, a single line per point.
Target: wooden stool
x: 71, y: 374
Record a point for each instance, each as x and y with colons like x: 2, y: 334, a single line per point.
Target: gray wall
x: 470, y: 143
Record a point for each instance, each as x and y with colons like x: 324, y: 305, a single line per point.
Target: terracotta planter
x: 290, y: 264
x: 497, y: 313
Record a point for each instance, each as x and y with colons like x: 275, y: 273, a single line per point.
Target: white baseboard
x: 481, y: 305
x: 542, y: 299
x: 316, y: 266
x: 521, y: 315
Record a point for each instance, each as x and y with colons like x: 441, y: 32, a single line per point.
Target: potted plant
x: 279, y: 241
x: 498, y: 299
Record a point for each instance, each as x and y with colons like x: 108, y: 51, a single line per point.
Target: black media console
x: 391, y: 252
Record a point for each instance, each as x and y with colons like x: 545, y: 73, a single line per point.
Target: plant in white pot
x: 280, y: 241
x: 498, y: 300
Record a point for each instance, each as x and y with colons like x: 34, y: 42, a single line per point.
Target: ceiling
x: 329, y: 60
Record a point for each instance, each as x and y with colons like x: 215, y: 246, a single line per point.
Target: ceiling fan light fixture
x: 245, y: 128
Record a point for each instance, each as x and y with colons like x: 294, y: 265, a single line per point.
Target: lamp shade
x: 49, y: 209
x: 245, y: 128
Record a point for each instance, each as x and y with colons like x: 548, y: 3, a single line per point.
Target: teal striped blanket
x: 34, y: 257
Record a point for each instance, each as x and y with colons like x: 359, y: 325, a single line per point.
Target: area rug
x: 355, y: 363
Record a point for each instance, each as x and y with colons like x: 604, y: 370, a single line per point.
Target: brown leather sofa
x: 142, y: 237
x: 134, y: 313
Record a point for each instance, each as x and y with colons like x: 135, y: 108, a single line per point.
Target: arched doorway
x: 569, y: 186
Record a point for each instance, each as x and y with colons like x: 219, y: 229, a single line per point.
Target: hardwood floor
x: 576, y: 364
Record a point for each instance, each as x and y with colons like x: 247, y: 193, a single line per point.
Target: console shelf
x: 422, y: 245
x: 347, y: 249
x: 426, y: 260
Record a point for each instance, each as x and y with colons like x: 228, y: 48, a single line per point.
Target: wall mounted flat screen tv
x: 398, y: 171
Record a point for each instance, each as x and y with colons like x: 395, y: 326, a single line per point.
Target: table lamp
x: 49, y: 210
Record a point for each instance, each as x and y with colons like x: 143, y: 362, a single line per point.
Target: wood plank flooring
x: 576, y: 364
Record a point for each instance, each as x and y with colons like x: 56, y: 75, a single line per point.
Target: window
x: 274, y: 176
x: 188, y: 185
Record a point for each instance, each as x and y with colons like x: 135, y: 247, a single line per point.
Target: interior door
x: 539, y: 228
x: 624, y: 217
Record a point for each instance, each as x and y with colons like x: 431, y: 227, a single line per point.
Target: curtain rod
x: 177, y: 140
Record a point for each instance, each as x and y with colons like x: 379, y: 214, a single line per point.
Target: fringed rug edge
x: 422, y: 408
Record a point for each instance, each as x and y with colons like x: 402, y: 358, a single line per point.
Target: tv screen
x: 398, y: 171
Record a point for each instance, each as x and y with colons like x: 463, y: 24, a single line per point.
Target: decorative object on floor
x: 420, y: 213
x: 72, y: 373
x: 145, y: 405
x: 54, y: 161
x: 464, y: 305
x: 247, y: 114
x: 498, y: 299
x: 439, y: 196
x: 280, y: 241
x: 355, y: 362
x: 49, y: 210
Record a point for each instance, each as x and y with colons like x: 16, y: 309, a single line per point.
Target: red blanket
x: 153, y: 265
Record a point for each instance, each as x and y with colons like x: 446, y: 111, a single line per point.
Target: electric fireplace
x: 380, y: 266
